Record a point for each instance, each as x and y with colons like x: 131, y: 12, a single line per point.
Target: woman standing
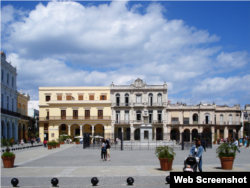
x: 22, y: 142
x: 103, y: 151
x: 197, y: 151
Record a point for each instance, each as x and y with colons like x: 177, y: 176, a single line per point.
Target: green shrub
x: 165, y: 152
x: 226, y: 151
x: 8, y: 154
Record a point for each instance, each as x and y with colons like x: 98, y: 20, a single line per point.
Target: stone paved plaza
x: 75, y: 166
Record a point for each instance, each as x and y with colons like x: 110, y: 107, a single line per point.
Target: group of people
x: 105, y: 150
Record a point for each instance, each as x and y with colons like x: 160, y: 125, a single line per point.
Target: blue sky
x: 201, y: 49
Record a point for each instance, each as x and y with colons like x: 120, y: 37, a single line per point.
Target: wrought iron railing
x: 73, y: 117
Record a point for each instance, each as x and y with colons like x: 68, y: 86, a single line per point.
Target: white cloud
x: 59, y: 40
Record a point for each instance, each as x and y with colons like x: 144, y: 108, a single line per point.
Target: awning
x: 175, y: 114
x: 186, y: 114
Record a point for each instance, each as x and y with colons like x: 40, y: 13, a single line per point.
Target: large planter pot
x: 49, y: 147
x: 227, y: 163
x: 166, y: 164
x: 77, y: 142
x: 61, y: 142
x: 58, y: 145
x: 214, y: 142
x: 8, y: 162
x: 247, y: 145
x: 54, y: 146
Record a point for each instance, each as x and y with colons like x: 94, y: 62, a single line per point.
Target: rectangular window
x: 47, y: 98
x: 52, y: 134
x: 47, y: 117
x: 150, y: 117
x: 2, y: 74
x: 145, y: 135
x: 91, y: 97
x: 8, y: 78
x: 63, y: 114
x: 80, y: 97
x: 12, y: 81
x: 68, y: 97
x: 59, y: 97
x: 103, y: 97
x: 46, y: 126
x: 7, y: 103
x: 75, y: 114
x: 138, y: 98
x: 117, y: 116
x: 87, y: 114
x: 100, y: 114
x: 1, y: 100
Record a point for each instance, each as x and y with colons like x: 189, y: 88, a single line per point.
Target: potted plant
x: 49, y: 144
x: 54, y: 143
x: 58, y: 144
x: 248, y: 143
x: 215, y: 138
x: 227, y: 155
x: 8, y: 157
x: 77, y: 141
x: 165, y: 155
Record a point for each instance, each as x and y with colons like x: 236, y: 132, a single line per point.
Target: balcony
x: 138, y: 104
x: 137, y: 121
x: 175, y: 122
x: 120, y: 104
x: 233, y: 123
x: 155, y: 104
x: 195, y: 122
x: 74, y: 118
x: 157, y: 122
x: 186, y: 122
x: 122, y: 122
x: 207, y: 123
x: 11, y: 113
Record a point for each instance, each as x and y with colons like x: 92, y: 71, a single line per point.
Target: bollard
x: 94, y: 181
x: 130, y: 181
x: 54, y: 182
x: 14, y: 182
x: 168, y: 179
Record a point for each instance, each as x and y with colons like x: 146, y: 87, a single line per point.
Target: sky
x: 201, y: 49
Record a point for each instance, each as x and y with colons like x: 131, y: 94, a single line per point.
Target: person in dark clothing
x: 103, y: 151
x: 31, y: 141
x: 203, y: 143
x: 108, y: 148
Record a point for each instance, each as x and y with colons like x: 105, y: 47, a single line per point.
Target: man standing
x: 236, y: 144
x: 31, y: 141
x: 203, y: 143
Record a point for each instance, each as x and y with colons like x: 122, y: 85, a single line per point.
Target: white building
x: 9, y: 115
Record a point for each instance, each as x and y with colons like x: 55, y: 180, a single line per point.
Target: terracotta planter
x: 54, y: 146
x: 49, y: 147
x: 8, y: 162
x: 227, y: 163
x: 61, y: 142
x: 247, y: 145
x: 214, y: 142
x: 77, y: 142
x: 165, y: 164
x: 58, y: 145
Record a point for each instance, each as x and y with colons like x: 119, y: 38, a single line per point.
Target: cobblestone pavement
x: 74, y: 167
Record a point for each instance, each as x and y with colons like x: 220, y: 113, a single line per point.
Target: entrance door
x: 47, y: 136
x: 128, y: 134
x: 207, y: 120
x: 158, y: 133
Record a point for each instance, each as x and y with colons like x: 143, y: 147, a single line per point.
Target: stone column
x: 131, y: 132
x: 225, y: 132
x: 81, y: 131
x: 218, y: 134
x: 180, y: 135
x: 190, y: 118
x: 154, y: 132
x: 165, y: 131
x: 69, y: 131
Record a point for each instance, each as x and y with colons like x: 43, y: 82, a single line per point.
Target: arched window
x: 117, y: 99
x: 138, y: 115
x: 237, y: 119
x: 221, y: 119
x: 207, y: 118
x: 230, y: 119
x: 150, y: 99
x: 159, y: 99
x: 126, y: 99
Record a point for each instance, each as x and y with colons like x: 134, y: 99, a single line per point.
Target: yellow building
x: 22, y: 108
x: 74, y: 111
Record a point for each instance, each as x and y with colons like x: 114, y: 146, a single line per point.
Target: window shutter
x: 91, y: 97
x: 59, y: 97
x: 100, y: 97
x: 105, y: 97
x: 47, y: 98
x: 80, y: 97
x: 68, y: 97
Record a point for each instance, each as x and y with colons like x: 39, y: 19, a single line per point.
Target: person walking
x: 236, y: 144
x: 45, y: 143
x: 197, y: 151
x: 22, y: 142
x: 103, y: 151
x: 108, y: 149
x: 245, y: 142
x: 203, y: 143
x: 31, y: 141
x: 17, y: 142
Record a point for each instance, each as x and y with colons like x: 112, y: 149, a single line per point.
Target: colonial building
x: 74, y: 111
x: 9, y: 115
x: 24, y: 120
x: 139, y: 110
x: 142, y: 112
x: 246, y: 120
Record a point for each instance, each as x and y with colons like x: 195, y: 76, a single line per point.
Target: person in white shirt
x: 236, y: 144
